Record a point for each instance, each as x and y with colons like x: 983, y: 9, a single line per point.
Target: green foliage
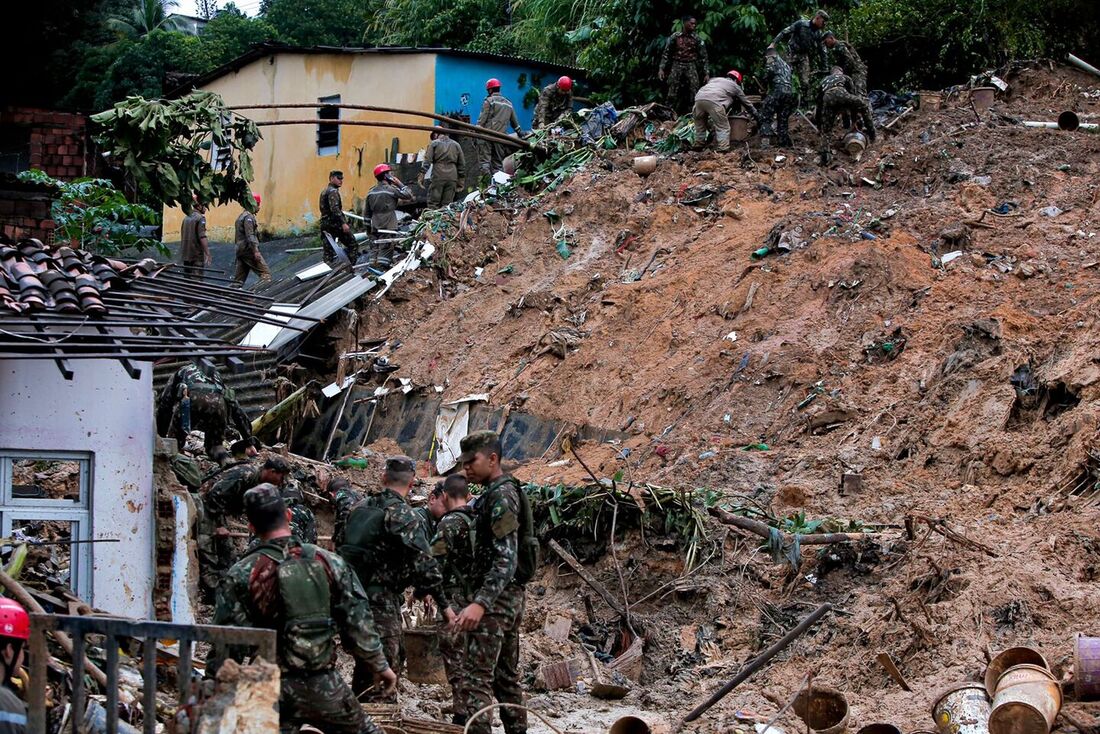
x: 141, y: 66
x: 166, y: 146
x: 97, y: 216
x: 450, y: 23
x: 229, y: 34
x: 144, y: 16
x: 318, y: 22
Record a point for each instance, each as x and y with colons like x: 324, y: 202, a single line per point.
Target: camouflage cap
x: 828, y: 34
x: 335, y: 174
x: 475, y: 442
x: 263, y: 499
x: 822, y: 14
x: 400, y: 465
x: 277, y: 464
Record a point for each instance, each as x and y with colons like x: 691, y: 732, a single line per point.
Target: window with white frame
x: 45, y: 496
x: 328, y: 134
x: 221, y: 157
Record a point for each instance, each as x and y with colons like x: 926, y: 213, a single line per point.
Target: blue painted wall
x: 460, y: 85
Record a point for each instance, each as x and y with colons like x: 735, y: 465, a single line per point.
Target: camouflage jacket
x: 381, y: 205
x: 244, y: 232
x: 342, y: 502
x: 777, y: 75
x: 226, y: 495
x: 552, y: 104
x: 194, y: 380
x: 235, y: 606
x: 407, y: 558
x: 497, y: 113
x: 192, y: 233
x: 447, y: 160
x: 332, y: 209
x: 685, y: 48
x: 497, y: 534
x: 803, y: 39
x: 427, y: 522
x: 837, y: 81
x: 848, y: 59
x: 455, y: 549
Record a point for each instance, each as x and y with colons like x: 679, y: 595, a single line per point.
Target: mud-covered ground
x: 909, y: 355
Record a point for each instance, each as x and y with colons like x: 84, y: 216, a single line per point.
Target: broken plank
x: 887, y: 662
x: 588, y: 578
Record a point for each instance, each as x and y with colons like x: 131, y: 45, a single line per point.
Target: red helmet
x: 14, y: 621
x: 565, y: 84
x: 492, y: 84
x: 257, y: 198
x: 381, y: 169
x: 735, y: 74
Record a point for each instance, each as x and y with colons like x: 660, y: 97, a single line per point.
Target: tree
x: 318, y: 22
x: 230, y: 33
x: 142, y: 65
x: 144, y: 17
x: 165, y: 146
x: 207, y: 8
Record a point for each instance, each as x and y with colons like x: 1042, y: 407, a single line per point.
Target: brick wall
x: 59, y: 143
x: 25, y: 211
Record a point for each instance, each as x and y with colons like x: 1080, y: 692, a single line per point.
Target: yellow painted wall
x: 289, y: 175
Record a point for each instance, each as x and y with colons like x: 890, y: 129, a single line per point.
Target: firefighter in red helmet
x: 555, y: 100
x: 15, y: 630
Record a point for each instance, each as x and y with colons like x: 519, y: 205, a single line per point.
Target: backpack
x: 528, y: 545
x: 365, y: 539
x: 306, y: 637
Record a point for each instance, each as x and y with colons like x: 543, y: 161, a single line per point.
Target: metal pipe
x: 373, y: 108
x: 506, y: 140
x: 1090, y: 127
x: 759, y: 661
x: 1082, y: 65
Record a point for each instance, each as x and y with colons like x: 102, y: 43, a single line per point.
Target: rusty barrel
x: 1086, y: 668
x: 962, y: 709
x: 1028, y: 700
x: 982, y: 97
x: 825, y: 710
x: 1009, y: 658
x: 739, y: 128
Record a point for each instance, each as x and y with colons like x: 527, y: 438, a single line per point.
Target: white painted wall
x: 103, y: 411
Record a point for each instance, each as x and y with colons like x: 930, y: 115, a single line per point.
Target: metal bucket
x: 1009, y: 658
x: 982, y: 97
x: 739, y: 128
x: 1027, y: 702
x: 825, y: 710
x: 630, y: 725
x: 645, y: 164
x: 1086, y: 668
x: 962, y: 709
x: 423, y: 661
x: 855, y: 143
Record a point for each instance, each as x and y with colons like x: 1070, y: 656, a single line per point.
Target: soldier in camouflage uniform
x: 224, y: 495
x: 307, y: 595
x: 343, y: 497
x: 555, y: 100
x: 838, y: 95
x: 684, y: 62
x: 494, y: 615
x: 334, y: 222
x: 247, y: 240
x: 781, y: 100
x: 805, y: 49
x: 497, y: 113
x: 848, y: 59
x: 430, y: 513
x: 383, y: 540
x: 213, y: 406
x: 454, y: 546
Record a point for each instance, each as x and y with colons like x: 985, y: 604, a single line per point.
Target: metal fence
x: 114, y: 628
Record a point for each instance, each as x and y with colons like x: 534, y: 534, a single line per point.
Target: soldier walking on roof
x: 334, y: 222
x: 249, y: 258
x: 683, y: 63
x: 307, y: 595
x: 194, y: 246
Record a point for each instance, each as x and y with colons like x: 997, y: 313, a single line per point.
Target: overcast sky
x: 187, y: 7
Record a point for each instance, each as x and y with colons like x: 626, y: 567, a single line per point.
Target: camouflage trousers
x: 322, y: 700
x: 683, y: 81
x: 800, y: 65
x: 215, y: 554
x: 351, y: 247
x: 492, y: 664
x: 452, y: 647
x: 837, y: 101
x: 778, y: 108
x: 385, y: 608
x: 249, y: 261
x: 208, y: 414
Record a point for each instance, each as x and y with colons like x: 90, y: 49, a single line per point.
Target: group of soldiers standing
x: 831, y: 91
x: 471, y: 558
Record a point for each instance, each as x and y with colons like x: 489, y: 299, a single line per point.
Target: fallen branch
x: 588, y: 578
x: 23, y: 597
x: 764, y: 530
x: 942, y: 528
